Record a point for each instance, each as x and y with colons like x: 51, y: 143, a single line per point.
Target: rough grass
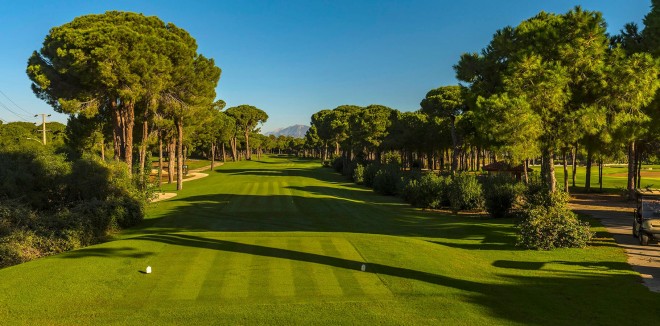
x: 281, y: 241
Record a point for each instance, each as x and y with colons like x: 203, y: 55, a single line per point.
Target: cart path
x: 616, y: 215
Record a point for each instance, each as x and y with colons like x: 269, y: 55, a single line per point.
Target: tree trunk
x: 631, y: 170
x: 587, y: 179
x: 551, y: 171
x: 129, y: 123
x: 234, y: 153
x: 525, y: 169
x: 224, y: 154
x: 638, y: 165
x: 566, y: 170
x: 574, y: 163
x: 324, y: 155
x: 454, y: 140
x: 478, y: 158
x: 117, y: 135
x: 600, y: 174
x: 160, y: 161
x: 212, y: 155
x: 102, y: 149
x: 171, y: 159
x: 179, y: 155
x: 248, y: 154
x: 143, y: 145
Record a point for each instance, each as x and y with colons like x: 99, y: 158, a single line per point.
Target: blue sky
x: 293, y: 58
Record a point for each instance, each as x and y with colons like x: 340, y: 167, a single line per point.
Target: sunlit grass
x: 282, y: 241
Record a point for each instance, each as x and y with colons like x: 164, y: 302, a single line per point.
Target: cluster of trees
x: 123, y: 76
x: 139, y: 85
x: 555, y: 86
x: 25, y: 134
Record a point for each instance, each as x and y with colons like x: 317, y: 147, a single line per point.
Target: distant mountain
x: 296, y: 131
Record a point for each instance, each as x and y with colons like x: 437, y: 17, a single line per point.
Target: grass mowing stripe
x: 326, y: 282
x: 236, y: 280
x: 279, y: 201
x: 195, y: 275
x: 258, y: 274
x: 369, y: 282
x: 348, y: 283
x: 281, y: 278
x: 302, y: 277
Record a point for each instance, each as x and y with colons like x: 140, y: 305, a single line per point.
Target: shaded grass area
x: 282, y: 241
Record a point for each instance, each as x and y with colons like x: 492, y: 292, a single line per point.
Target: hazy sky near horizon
x: 294, y: 58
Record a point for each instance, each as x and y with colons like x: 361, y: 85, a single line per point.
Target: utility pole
x: 43, y: 125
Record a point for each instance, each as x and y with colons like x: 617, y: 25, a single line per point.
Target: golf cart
x: 646, y: 224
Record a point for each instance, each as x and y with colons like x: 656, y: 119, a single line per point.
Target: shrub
x: 427, y: 191
x: 386, y: 180
x: 465, y: 192
x: 358, y: 174
x: 501, y: 193
x: 552, y: 226
x: 370, y: 174
x: 68, y: 204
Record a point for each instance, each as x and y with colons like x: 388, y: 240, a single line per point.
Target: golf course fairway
x: 282, y: 240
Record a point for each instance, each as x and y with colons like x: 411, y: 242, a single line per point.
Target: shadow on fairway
x: 519, y: 299
x: 332, y: 213
x: 127, y: 252
x: 533, y: 265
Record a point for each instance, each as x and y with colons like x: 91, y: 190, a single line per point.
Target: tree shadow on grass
x: 127, y: 252
x: 571, y: 298
x: 331, y: 213
x: 533, y: 265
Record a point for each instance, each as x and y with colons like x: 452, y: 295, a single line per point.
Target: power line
x: 12, y: 102
x: 12, y: 111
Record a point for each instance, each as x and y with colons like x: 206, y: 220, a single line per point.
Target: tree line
x: 136, y: 83
x: 556, y: 86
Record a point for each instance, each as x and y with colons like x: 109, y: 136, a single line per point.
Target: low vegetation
x: 49, y: 205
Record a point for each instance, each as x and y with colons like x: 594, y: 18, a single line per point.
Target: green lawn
x: 281, y: 241
x: 615, y: 177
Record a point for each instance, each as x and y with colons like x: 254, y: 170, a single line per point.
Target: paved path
x: 616, y: 215
x: 192, y: 175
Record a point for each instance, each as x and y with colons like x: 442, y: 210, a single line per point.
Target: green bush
x: 465, y: 193
x: 370, y: 174
x: 427, y: 191
x: 358, y: 174
x: 49, y: 205
x: 386, y: 180
x: 552, y: 225
x: 501, y: 193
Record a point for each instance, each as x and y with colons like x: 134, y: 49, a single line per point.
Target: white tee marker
x: 148, y: 269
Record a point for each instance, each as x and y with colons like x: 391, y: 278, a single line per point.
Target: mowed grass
x: 615, y: 177
x: 282, y: 241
